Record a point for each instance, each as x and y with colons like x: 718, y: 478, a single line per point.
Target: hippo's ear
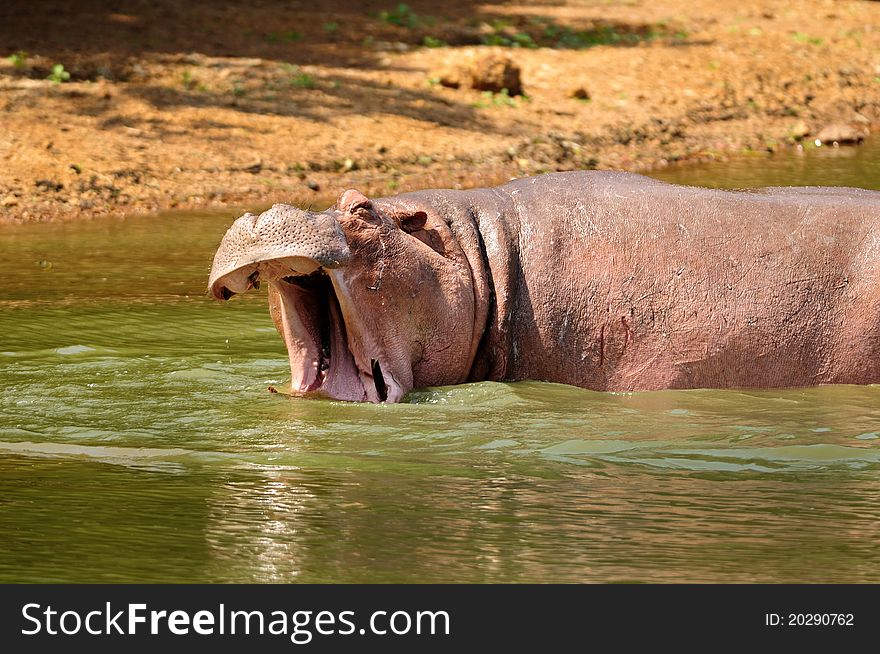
x: 352, y: 200
x: 412, y: 222
x: 415, y: 222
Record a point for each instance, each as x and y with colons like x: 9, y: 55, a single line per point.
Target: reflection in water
x: 138, y: 443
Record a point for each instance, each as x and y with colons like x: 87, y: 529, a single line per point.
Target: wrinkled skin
x: 609, y: 281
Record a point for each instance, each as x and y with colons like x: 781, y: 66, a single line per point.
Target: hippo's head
x: 371, y: 298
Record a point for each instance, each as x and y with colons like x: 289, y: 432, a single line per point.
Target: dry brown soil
x: 227, y: 103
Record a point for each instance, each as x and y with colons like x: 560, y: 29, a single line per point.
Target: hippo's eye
x: 363, y: 215
x: 366, y: 213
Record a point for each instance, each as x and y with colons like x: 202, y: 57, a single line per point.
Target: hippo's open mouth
x: 319, y: 346
x: 333, y: 341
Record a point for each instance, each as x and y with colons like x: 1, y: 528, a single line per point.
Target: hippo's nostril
x: 225, y: 293
x: 379, y: 380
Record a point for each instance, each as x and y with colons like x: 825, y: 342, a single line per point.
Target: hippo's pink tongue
x: 314, y: 333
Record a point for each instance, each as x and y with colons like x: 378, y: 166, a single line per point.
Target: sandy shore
x: 189, y: 105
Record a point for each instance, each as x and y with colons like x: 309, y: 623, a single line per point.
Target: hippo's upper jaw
x: 281, y: 241
x: 302, y: 256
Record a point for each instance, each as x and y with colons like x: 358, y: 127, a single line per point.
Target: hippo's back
x: 607, y: 186
x: 630, y: 283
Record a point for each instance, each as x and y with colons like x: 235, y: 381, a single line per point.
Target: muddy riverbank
x: 143, y: 106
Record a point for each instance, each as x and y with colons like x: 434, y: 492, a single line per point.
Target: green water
x: 138, y: 443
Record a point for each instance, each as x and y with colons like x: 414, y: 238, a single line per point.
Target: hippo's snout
x: 278, y: 242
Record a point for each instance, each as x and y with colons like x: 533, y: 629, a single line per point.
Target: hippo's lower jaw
x: 324, y: 357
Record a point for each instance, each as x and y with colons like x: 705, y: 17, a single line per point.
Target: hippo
x: 606, y: 280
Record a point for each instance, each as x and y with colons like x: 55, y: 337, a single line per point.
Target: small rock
x: 312, y: 184
x: 49, y: 185
x: 487, y: 72
x: 253, y: 167
x: 799, y: 130
x: 10, y: 201
x: 580, y: 93
x: 451, y: 78
x: 841, y: 133
x: 496, y: 72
